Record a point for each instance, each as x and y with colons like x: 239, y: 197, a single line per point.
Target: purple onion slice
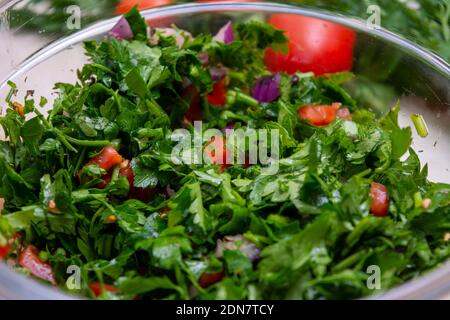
x: 225, y: 34
x: 218, y: 73
x: 267, y: 89
x: 122, y: 30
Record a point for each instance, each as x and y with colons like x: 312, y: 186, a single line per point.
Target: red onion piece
x: 218, y: 73
x: 225, y: 34
x: 344, y: 113
x: 204, y: 58
x: 122, y: 30
x: 267, y: 89
x: 231, y: 243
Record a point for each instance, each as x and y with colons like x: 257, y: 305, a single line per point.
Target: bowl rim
x: 429, y: 286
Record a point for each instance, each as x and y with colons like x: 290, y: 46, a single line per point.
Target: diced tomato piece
x: 108, y: 158
x: 29, y: 259
x: 194, y: 113
x: 344, y: 113
x: 380, y: 199
x: 218, y: 96
x: 126, y: 5
x: 314, y: 45
x: 207, y: 279
x: 97, y: 288
x: 319, y: 115
x: 4, y: 250
x: 216, y: 150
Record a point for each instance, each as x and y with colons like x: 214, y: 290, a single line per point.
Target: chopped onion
x: 238, y: 242
x: 204, y: 58
x: 344, y: 113
x: 225, y: 34
x: 122, y: 30
x: 267, y: 89
x: 218, y: 73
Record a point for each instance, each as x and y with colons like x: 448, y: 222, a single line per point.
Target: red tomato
x: 319, y: 115
x: 380, y: 200
x: 218, y: 96
x: 97, y: 288
x: 127, y: 171
x: 126, y: 5
x: 314, y: 45
x: 107, y: 159
x: 217, y: 152
x: 207, y: 279
x: 4, y: 250
x: 29, y: 259
x: 194, y: 113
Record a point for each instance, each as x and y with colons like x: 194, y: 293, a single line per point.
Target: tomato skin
x: 207, y: 279
x: 216, y: 150
x: 126, y: 5
x: 29, y: 259
x: 97, y: 288
x: 107, y: 159
x: 314, y: 45
x: 319, y: 115
x: 380, y: 200
x: 218, y: 96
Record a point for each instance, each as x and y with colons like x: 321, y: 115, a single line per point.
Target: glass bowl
x: 395, y: 68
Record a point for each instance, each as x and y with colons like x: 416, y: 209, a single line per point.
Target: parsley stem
x: 237, y: 96
x: 88, y: 143
x: 419, y: 123
x: 63, y: 140
x: 417, y: 200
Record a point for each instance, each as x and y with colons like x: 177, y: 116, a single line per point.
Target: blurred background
x: 425, y: 22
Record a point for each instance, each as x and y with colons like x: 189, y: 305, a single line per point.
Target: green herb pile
x: 304, y: 233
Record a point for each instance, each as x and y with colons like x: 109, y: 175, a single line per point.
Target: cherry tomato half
x: 108, y: 158
x: 314, y: 45
x: 319, y: 115
x: 380, y: 200
x: 126, y: 5
x: 29, y: 259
